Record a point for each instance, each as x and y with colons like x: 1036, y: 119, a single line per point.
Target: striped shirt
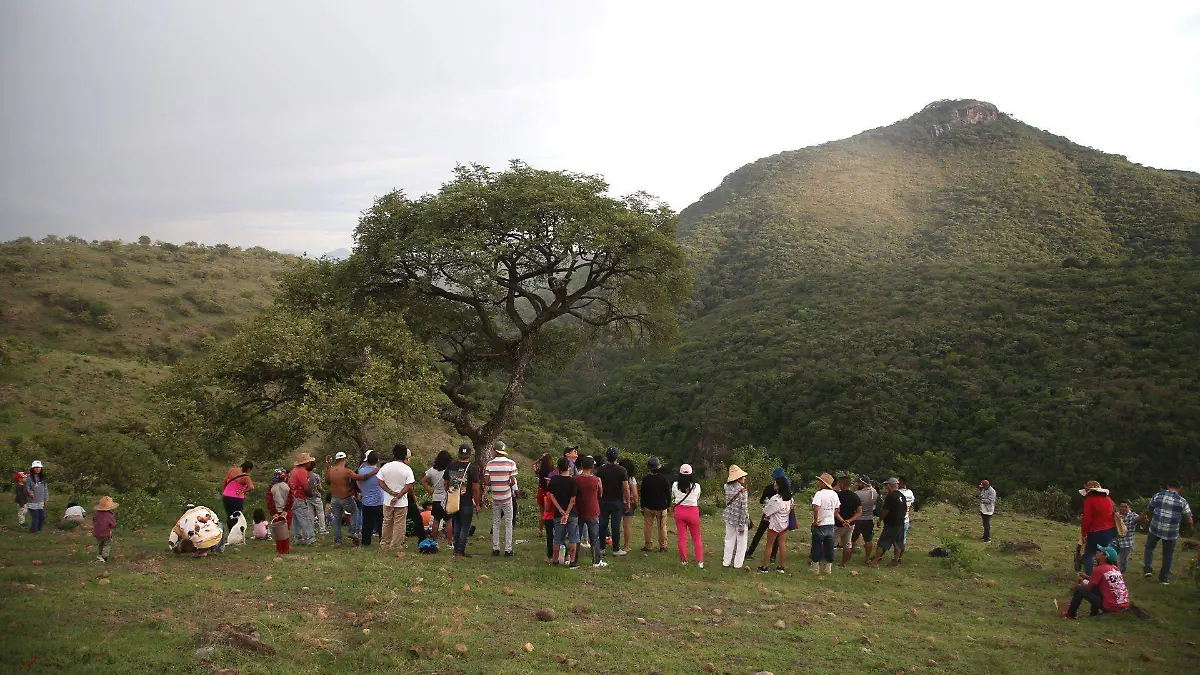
x: 500, y: 472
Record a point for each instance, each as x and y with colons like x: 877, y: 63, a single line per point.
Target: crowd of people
x: 589, y: 502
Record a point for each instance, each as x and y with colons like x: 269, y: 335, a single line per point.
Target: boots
x: 827, y: 568
x: 815, y: 568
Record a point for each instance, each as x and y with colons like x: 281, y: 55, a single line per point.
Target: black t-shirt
x: 850, y: 503
x: 455, y: 475
x: 767, y: 493
x: 896, y: 508
x: 613, y: 477
x: 654, y: 491
x: 564, y: 490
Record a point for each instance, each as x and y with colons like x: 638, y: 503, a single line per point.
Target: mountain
x: 957, y: 182
x: 337, y: 254
x: 956, y: 282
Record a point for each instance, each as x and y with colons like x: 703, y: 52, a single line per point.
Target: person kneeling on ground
x: 1105, y: 590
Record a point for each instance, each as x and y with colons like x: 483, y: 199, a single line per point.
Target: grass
x: 346, y: 610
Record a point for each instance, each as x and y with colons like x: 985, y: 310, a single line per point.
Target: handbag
x: 454, y: 492
x: 1122, y: 529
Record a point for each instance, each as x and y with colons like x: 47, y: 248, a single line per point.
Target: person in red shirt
x: 1098, y: 528
x: 587, y: 505
x: 1104, y: 589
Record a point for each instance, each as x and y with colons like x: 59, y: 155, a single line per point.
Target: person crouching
x: 1105, y: 589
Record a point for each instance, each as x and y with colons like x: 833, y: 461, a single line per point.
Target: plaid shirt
x: 1131, y: 521
x: 1168, y: 510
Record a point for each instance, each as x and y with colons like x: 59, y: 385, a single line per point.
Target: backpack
x: 455, y: 486
x: 878, y: 513
x: 427, y: 546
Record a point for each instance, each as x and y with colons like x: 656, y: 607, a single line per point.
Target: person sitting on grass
x: 261, y: 526
x: 1105, y: 589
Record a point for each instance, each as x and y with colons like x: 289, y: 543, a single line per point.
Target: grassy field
x: 343, y: 610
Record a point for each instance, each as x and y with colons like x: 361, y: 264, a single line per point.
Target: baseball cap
x: 893, y: 481
x: 864, y: 479
x: 500, y: 448
x: 984, y: 484
x: 339, y: 456
x: 611, y: 454
x: 464, y: 451
x: 685, y: 470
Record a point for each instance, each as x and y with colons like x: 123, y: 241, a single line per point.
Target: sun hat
x: 37, y: 464
x: 500, y: 448
x: 826, y: 479
x: 735, y: 472
x: 304, y: 458
x: 653, y: 463
x: 339, y: 456
x: 984, y: 484
x: 1111, y: 554
x: 893, y: 481
x: 611, y: 454
x: 685, y: 470
x: 106, y: 504
x: 464, y: 451
x: 1093, y: 486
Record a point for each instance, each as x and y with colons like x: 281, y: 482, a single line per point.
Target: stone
x: 460, y: 649
x: 546, y: 614
x: 103, y: 581
x: 528, y: 647
x: 641, y: 621
x: 483, y: 578
x: 508, y: 591
x: 205, y: 654
x: 36, y: 563
x: 466, y: 587
x: 710, y: 667
x: 780, y: 624
x: 571, y: 663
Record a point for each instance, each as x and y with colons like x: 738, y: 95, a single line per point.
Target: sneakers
x: 508, y: 554
x: 574, y: 565
x: 764, y: 569
x: 826, y: 568
x: 815, y: 568
x: 683, y: 562
x: 600, y: 564
x: 646, y: 549
x: 1148, y: 574
x: 620, y: 553
x: 700, y: 564
x: 781, y: 570
x: 1165, y: 583
x: 100, y: 559
x: 495, y: 553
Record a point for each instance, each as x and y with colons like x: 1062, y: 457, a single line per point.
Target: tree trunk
x: 485, y: 434
x: 360, y: 440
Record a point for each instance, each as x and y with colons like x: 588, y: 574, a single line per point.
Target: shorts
x: 629, y: 513
x: 566, y: 534
x: 892, y: 537
x: 841, y: 536
x: 438, y: 510
x: 864, y: 529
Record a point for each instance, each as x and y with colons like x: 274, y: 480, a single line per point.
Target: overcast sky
x: 275, y: 123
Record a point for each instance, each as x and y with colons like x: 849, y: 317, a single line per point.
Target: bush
x: 1051, y: 503
x: 120, y: 279
x: 961, y: 496
x: 104, y: 462
x: 106, y: 321
x: 139, y: 509
x: 962, y: 558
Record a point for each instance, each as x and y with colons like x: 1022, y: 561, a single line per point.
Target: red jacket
x: 1097, y: 513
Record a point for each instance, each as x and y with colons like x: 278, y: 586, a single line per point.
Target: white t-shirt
x: 828, y: 502
x: 692, y: 498
x: 74, y: 513
x: 437, y: 480
x: 908, y: 500
x: 396, y: 475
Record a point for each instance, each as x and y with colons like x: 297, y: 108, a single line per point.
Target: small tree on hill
x: 502, y: 270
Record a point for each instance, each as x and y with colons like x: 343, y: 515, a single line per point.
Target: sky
x: 275, y: 123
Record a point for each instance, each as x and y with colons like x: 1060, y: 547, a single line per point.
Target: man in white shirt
x: 396, y: 480
x: 825, y: 504
x: 909, y: 498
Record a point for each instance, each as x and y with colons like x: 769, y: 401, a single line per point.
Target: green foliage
x: 962, y: 557
x: 962, y: 496
x: 1051, y: 503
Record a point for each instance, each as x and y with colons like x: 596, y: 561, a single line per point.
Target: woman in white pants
x: 737, y: 518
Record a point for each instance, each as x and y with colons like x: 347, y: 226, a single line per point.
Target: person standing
x: 1097, y: 529
x: 302, y: 511
x: 341, y: 487
x: 318, y: 502
x: 1124, y: 544
x: 987, y: 508
x: 500, y: 474
x: 655, y: 499
x: 849, y: 511
x: 1168, y: 511
x: 233, y: 494
x: 563, y: 493
x: 864, y: 527
x: 367, y: 478
x: 825, y: 504
x: 460, y: 475
x: 767, y: 493
x: 685, y: 494
x: 434, y: 482
x: 613, y: 501
x: 279, y: 505
x: 395, y: 479
x: 542, y: 468
x: 21, y: 497
x: 627, y: 517
x: 909, y: 500
x: 891, y: 522
x: 737, y: 518
x: 38, y: 490
x: 777, y: 513
x: 587, y: 508
x: 103, y: 524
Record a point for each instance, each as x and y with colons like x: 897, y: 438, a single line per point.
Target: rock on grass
x: 546, y: 614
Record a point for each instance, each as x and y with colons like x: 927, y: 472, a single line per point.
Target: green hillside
x: 958, y: 182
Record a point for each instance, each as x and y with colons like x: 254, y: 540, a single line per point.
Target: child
x: 1124, y: 545
x: 103, y: 524
x: 776, y: 512
x: 21, y: 497
x: 261, y: 529
x: 426, y: 520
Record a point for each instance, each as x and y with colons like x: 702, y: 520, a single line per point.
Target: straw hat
x: 735, y: 472
x: 304, y: 458
x: 826, y: 479
x: 1092, y: 486
x: 106, y: 504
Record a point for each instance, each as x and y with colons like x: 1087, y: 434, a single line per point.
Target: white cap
x: 338, y: 456
x: 685, y: 470
x: 37, y: 464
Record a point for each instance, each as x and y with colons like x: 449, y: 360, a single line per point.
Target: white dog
x: 237, y: 532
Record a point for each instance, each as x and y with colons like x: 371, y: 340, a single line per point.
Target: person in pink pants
x: 686, y: 505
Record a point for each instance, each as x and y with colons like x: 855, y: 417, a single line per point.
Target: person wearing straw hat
x: 103, y: 524
x: 303, y: 530
x: 825, y: 504
x: 737, y: 518
x: 1097, y: 529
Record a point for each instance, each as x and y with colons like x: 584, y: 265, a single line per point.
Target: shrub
x: 206, y: 303
x: 139, y: 509
x: 168, y: 246
x: 107, y: 321
x: 120, y: 279
x: 1051, y: 503
x: 962, y: 558
x: 961, y: 496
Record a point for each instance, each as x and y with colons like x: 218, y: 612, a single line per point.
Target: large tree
x: 309, y: 363
x: 502, y: 270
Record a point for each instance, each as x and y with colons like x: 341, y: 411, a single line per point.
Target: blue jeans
x: 1164, y: 575
x: 303, y: 530
x: 338, y: 506
x: 1096, y: 541
x: 462, y: 525
x: 1123, y: 563
x: 592, y: 527
x: 822, y: 544
x: 567, y: 533
x: 611, y: 513
x: 37, y: 519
